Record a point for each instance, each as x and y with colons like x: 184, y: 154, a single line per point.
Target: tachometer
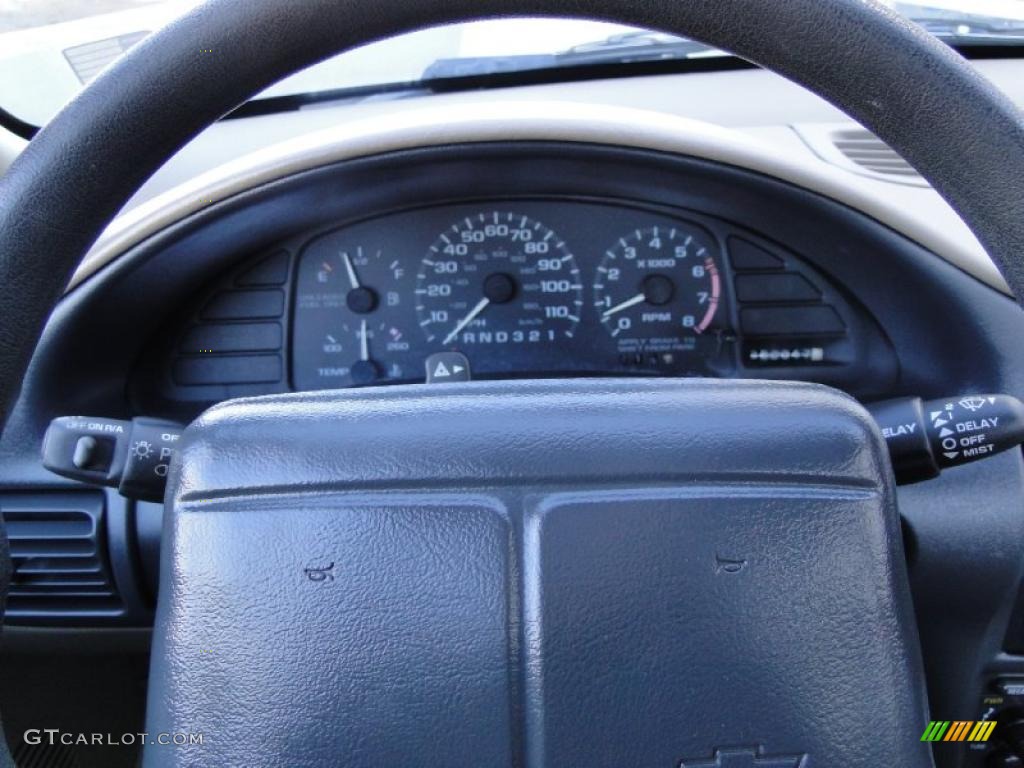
x: 498, y: 278
x: 656, y: 288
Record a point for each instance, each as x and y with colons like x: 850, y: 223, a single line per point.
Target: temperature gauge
x: 349, y: 318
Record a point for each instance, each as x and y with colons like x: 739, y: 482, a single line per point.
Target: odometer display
x: 657, y: 288
x: 498, y: 278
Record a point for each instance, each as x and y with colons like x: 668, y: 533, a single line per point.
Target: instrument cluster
x: 528, y: 288
x: 515, y: 288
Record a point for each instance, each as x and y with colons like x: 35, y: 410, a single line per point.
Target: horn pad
x: 584, y: 573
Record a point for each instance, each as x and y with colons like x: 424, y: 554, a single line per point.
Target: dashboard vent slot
x: 857, y: 150
x: 871, y: 153
x: 60, y: 562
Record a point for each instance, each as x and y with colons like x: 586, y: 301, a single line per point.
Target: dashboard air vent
x: 59, y: 557
x: 871, y: 153
x: 857, y: 150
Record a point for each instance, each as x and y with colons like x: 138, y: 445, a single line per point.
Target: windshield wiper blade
x: 639, y: 45
x: 965, y: 28
x: 488, y: 79
x: 477, y: 66
x: 625, y: 48
x: 630, y: 54
x: 958, y: 32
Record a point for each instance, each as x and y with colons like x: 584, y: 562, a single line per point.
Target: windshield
x: 49, y: 49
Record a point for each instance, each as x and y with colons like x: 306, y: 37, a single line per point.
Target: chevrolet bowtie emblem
x: 744, y: 758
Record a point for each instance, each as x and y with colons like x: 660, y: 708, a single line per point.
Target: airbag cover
x: 598, y: 573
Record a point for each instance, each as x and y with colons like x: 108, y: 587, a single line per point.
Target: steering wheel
x: 569, y: 573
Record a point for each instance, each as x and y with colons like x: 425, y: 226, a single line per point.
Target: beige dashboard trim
x: 432, y: 126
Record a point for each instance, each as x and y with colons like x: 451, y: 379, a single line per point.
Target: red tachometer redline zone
x: 715, y: 294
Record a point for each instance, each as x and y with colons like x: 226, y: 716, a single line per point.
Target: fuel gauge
x: 349, y: 327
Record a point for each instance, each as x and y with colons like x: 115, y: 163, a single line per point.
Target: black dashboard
x: 521, y: 288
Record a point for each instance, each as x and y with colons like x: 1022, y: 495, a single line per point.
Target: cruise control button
x: 85, y: 455
x: 85, y: 448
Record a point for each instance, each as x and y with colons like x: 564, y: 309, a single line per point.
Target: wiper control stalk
x: 926, y: 437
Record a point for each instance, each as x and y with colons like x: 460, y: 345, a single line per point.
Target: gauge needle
x: 480, y: 307
x: 351, y: 270
x: 364, y: 343
x: 639, y: 298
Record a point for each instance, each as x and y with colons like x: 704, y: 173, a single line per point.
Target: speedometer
x: 498, y: 278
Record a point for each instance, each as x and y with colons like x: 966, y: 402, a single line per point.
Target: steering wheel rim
x: 934, y: 108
